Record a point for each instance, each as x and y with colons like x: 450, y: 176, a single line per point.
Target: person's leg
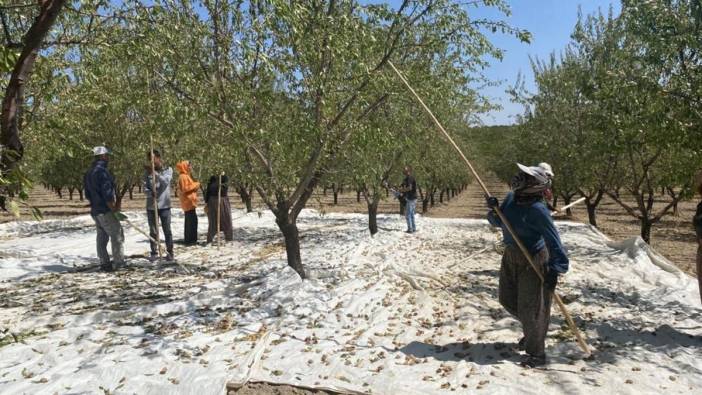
x: 194, y: 226
x: 190, y: 234
x: 101, y: 241
x: 211, y: 219
x: 165, y: 217
x: 114, y: 230
x: 408, y: 212
x: 534, y: 306
x: 413, y: 210
x: 152, y: 231
x: 227, y: 220
x: 507, y: 288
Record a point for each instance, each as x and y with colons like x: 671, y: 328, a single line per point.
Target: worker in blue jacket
x: 521, y: 291
x: 99, y: 186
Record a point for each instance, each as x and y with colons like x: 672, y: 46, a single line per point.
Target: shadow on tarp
x: 490, y: 353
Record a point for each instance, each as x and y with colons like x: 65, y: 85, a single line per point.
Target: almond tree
x: 292, y: 81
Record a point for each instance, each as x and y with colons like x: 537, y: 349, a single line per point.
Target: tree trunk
x: 13, y: 99
x: 80, y: 194
x: 441, y: 196
x: 566, y: 201
x: 131, y: 192
x: 245, y: 196
x: 70, y: 193
x: 646, y: 226
x: 292, y: 243
x: 591, y: 213
x: 448, y: 195
x: 373, y: 216
x: 358, y: 196
x: 59, y: 193
x: 425, y: 204
x: 431, y: 197
x: 335, y: 192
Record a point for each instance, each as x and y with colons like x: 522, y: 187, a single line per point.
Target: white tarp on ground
x: 393, y: 314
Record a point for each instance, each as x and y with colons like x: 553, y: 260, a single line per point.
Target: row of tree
x: 618, y: 112
x: 285, y: 96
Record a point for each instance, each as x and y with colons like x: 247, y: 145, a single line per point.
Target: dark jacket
x: 697, y: 221
x: 99, y: 186
x: 411, y: 184
x: 534, y: 226
x: 213, y: 186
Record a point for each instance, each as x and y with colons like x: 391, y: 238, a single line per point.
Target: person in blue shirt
x: 99, y: 186
x: 521, y: 291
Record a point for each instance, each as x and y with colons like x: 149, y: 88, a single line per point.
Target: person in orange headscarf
x: 187, y: 188
x: 697, y: 222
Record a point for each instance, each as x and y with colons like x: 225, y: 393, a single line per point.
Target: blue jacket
x: 99, y: 186
x: 534, y: 226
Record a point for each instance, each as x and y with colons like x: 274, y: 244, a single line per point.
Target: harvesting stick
x: 153, y: 191
x: 219, y: 205
x: 566, y: 207
x: 508, y: 226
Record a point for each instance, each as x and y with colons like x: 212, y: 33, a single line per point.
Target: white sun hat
x: 100, y: 150
x: 535, y: 171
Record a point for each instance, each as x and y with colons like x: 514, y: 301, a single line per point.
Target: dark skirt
x: 225, y: 219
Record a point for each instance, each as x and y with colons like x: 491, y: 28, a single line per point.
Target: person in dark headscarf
x: 521, y: 291
x: 697, y: 222
x: 212, y: 200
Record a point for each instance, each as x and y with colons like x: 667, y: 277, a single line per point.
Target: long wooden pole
x: 560, y: 210
x: 155, y: 195
x: 219, y: 205
x: 505, y: 222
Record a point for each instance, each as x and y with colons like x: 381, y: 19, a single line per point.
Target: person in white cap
x: 99, y: 186
x: 547, y: 169
x: 521, y: 291
x: 548, y: 194
x: 697, y: 222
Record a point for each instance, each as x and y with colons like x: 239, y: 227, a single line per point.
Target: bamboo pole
x: 219, y: 205
x: 579, y: 337
x: 155, y: 196
x: 560, y: 210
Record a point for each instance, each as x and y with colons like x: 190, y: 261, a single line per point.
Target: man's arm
x: 106, y: 188
x: 188, y: 185
x: 165, y: 177
x: 86, y: 187
x: 543, y: 223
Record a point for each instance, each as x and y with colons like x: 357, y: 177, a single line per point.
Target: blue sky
x: 551, y: 23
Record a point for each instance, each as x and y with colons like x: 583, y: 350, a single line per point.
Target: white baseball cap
x: 100, y: 150
x: 547, y: 169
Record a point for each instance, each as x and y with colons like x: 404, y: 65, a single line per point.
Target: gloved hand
x: 551, y: 280
x: 492, y: 202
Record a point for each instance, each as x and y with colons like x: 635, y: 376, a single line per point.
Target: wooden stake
x: 579, y: 337
x: 219, y: 205
x: 155, y: 195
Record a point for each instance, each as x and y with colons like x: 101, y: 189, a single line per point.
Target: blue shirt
x: 534, y: 227
x: 99, y: 186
